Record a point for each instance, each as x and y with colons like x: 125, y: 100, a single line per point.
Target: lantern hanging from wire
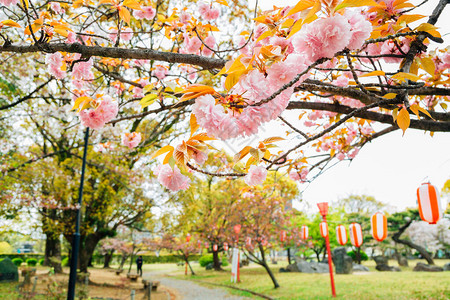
x: 215, y: 247
x: 188, y: 238
x: 225, y: 246
x: 206, y: 245
x: 341, y: 235
x: 379, y: 226
x: 323, y: 229
x: 356, y: 235
x: 429, y: 203
x: 283, y: 236
x: 304, y: 232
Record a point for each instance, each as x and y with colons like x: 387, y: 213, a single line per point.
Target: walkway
x: 188, y: 290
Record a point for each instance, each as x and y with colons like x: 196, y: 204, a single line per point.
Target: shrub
x: 32, y: 262
x: 17, y: 261
x: 41, y: 262
x: 208, y: 258
x: 65, y: 262
x: 363, y: 254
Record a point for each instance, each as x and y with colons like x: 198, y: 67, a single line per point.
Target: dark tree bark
x: 108, y: 258
x: 358, y: 255
x: 262, y: 262
x: 216, y: 261
x: 421, y: 250
x: 52, y: 256
x: 289, y: 255
x: 87, y: 249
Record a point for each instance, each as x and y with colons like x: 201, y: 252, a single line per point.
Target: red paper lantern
x: 237, y: 228
x: 323, y: 229
x: 304, y: 233
x: 379, y: 226
x: 283, y: 236
x: 341, y: 235
x: 356, y: 235
x: 248, y: 241
x: 323, y: 208
x: 188, y: 237
x: 215, y: 247
x: 429, y: 204
x: 225, y: 246
x: 206, y: 245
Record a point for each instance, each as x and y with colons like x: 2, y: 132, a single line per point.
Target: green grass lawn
x: 372, y: 285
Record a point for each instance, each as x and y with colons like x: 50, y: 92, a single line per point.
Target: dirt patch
x: 104, y: 284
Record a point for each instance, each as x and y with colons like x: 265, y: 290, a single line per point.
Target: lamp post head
x: 323, y: 208
x: 237, y: 228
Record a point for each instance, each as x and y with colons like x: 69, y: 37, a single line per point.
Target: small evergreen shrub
x: 41, y: 262
x: 363, y: 254
x: 32, y: 262
x: 17, y: 261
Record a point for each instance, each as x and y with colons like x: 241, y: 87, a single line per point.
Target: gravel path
x: 189, y: 290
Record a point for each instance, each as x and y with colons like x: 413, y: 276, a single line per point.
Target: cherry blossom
x: 323, y: 37
x: 9, y: 2
x: 172, y: 178
x: 103, y: 111
x: 160, y: 72
x: 147, y: 12
x: 132, y: 139
x: 55, y: 65
x: 207, y: 12
x: 256, y: 175
x: 360, y: 29
x: 56, y: 7
x: 126, y: 33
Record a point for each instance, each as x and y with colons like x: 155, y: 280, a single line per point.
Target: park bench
x: 133, y: 277
x: 147, y: 283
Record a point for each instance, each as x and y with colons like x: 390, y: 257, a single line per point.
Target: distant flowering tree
x: 354, y: 71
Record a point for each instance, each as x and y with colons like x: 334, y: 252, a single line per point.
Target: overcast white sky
x: 391, y: 167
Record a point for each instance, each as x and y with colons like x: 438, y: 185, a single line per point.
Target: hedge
x: 32, y: 262
x: 352, y: 254
x: 17, y: 261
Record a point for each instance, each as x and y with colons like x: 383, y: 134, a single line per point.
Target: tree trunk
x: 421, y: 250
x: 324, y: 255
x: 108, y: 258
x: 87, y: 248
x: 358, y: 255
x: 269, y: 271
x: 186, y: 259
x: 216, y: 261
x: 52, y: 256
x: 289, y: 255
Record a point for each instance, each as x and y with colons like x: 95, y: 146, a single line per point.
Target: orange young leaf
x: 401, y: 76
x: 415, y: 109
x: 357, y: 3
x: 374, y: 73
x: 300, y: 6
x: 202, y: 137
x: 273, y: 140
x: 403, y: 120
x: 163, y: 150
x: 428, y: 65
x: 10, y: 23
x: 196, y: 90
x: 409, y: 18
x: 124, y: 14
x: 223, y: 2
x: 395, y: 114
x: 241, y: 154
x: 85, y: 100
x: 390, y: 96
x: 427, y: 27
x: 193, y: 124
x: 133, y: 4
x: 423, y: 110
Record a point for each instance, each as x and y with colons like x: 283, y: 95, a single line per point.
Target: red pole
x: 238, y: 279
x: 330, y: 265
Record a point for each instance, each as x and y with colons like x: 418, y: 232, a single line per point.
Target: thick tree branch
x: 428, y: 125
x: 89, y: 51
x: 29, y: 96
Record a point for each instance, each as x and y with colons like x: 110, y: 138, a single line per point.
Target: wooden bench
x: 133, y: 277
x: 147, y: 283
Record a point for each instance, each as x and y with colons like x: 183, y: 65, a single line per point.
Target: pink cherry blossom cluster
x: 131, y: 140
x: 172, y: 178
x: 160, y: 72
x: 9, y: 2
x: 56, y: 7
x: 103, y: 110
x: 297, y: 175
x: 256, y: 175
x: 138, y: 92
x: 147, y: 13
x: 82, y: 71
x: 126, y: 33
x: 55, y: 63
x: 325, y: 37
x: 208, y: 12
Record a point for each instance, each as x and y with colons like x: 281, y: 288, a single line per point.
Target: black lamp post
x: 76, y: 236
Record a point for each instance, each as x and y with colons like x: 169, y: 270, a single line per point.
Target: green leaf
x: 148, y: 100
